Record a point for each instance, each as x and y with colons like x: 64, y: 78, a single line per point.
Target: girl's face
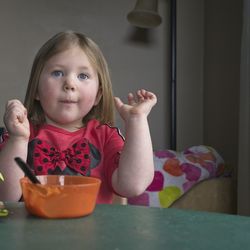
x: 68, y: 88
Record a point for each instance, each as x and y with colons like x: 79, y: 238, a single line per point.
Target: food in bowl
x: 60, y: 196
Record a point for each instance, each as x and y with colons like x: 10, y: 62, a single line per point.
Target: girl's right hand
x: 15, y: 120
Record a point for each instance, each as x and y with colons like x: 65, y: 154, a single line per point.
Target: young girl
x: 65, y: 124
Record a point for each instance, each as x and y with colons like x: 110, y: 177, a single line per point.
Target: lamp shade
x: 145, y: 14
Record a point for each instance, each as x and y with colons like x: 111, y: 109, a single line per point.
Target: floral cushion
x: 177, y: 172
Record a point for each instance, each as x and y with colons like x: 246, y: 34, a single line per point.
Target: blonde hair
x: 104, y: 111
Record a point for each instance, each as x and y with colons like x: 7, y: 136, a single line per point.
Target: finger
x: 16, y: 107
x: 118, y: 102
x: 140, y: 94
x: 12, y: 103
x: 15, y: 111
x: 131, y: 99
x: 15, y: 117
x: 143, y: 92
x: 149, y: 95
x: 146, y: 93
x: 22, y: 116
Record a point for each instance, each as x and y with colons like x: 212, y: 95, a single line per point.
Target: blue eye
x: 83, y: 76
x: 57, y: 73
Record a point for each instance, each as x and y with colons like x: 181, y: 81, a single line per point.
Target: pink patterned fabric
x: 178, y: 172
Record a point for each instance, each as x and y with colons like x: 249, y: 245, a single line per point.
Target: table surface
x: 125, y: 227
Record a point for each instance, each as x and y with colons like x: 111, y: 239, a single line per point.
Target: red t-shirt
x: 93, y: 150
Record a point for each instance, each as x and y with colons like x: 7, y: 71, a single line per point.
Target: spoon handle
x: 26, y: 169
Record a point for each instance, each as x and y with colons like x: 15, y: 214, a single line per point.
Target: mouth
x: 68, y: 101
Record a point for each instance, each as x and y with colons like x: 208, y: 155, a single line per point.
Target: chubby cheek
x: 88, y: 102
x: 45, y: 92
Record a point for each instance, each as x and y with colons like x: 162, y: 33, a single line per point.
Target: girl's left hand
x: 139, y: 105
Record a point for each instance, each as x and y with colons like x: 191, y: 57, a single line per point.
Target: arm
x: 17, y: 124
x: 136, y: 166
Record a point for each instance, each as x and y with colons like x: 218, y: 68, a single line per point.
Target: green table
x: 125, y: 227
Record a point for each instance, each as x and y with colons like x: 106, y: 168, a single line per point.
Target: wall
x: 137, y: 58
x: 190, y: 63
x: 222, y: 76
x: 208, y: 75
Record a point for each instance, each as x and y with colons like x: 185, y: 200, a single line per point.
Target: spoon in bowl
x: 26, y: 169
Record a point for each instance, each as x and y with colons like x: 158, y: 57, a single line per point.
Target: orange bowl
x: 60, y: 196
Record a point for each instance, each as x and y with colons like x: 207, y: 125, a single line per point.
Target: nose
x: 69, y: 84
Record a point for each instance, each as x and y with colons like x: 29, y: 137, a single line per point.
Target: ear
x: 98, y: 97
x: 37, y: 97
